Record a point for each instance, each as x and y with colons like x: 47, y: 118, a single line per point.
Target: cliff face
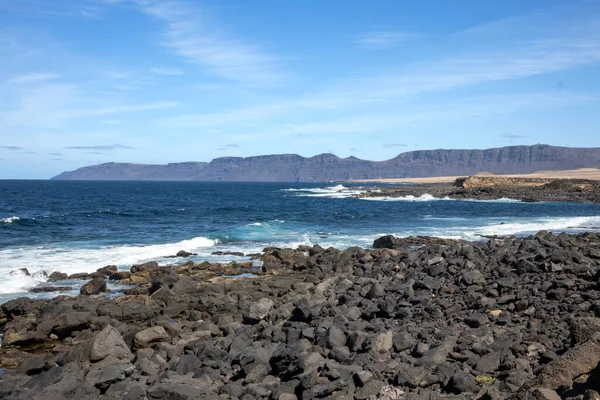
x: 326, y: 167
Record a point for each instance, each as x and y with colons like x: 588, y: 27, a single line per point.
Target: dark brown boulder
x: 95, y: 286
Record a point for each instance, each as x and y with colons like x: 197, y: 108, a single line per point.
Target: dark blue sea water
x: 81, y: 226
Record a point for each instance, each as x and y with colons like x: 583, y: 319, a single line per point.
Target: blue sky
x: 89, y: 81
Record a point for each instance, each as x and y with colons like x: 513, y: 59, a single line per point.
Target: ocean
x: 71, y: 226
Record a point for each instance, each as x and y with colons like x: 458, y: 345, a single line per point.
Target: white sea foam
x: 501, y: 200
x: 423, y: 197
x: 429, y: 197
x: 72, y: 260
x: 335, y: 192
x: 10, y: 220
x: 572, y: 224
x: 18, y: 282
x: 338, y: 187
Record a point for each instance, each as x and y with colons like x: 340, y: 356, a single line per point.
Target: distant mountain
x: 328, y: 167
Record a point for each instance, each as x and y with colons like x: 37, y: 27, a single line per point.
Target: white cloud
x: 32, y: 77
x: 189, y: 35
x: 381, y: 40
x: 54, y: 105
x: 394, y: 120
x: 548, y: 49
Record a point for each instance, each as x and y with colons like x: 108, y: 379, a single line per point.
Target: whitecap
x: 410, y: 197
x: 10, y: 220
x: 76, y: 259
x: 561, y: 224
x: 18, y: 281
x: 334, y: 192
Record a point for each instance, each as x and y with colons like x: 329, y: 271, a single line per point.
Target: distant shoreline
x: 544, y: 186
x: 582, y: 173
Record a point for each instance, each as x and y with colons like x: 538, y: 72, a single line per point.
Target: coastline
x: 495, y: 187
x: 581, y: 173
x: 411, y: 317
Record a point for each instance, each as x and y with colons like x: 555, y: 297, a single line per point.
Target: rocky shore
x: 498, y: 187
x: 416, y: 318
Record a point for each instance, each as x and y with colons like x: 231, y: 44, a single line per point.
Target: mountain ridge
x: 328, y: 167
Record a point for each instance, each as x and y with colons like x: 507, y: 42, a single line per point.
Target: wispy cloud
x: 11, y: 147
x: 542, y: 51
x: 100, y: 147
x: 33, y: 77
x: 394, y: 145
x: 473, y: 107
x: 231, y: 146
x: 189, y: 35
x: 55, y: 154
x: 167, y: 71
x: 55, y: 105
x: 66, y: 8
x: 29, y: 152
x: 381, y: 40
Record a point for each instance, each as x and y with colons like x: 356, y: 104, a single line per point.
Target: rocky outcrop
x: 420, y: 319
x: 328, y: 167
x: 494, y: 188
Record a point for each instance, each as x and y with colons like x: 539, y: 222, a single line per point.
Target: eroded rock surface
x: 513, y: 318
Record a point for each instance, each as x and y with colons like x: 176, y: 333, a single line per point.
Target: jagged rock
x: 151, y: 335
x: 102, y: 376
x: 541, y: 394
x: 149, y: 266
x: 95, y: 286
x: 48, y: 289
x: 32, y: 365
x: 561, y: 372
x: 57, y: 276
x: 583, y: 329
x: 258, y: 311
x: 109, y: 343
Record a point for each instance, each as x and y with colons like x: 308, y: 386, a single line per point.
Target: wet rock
x: 149, y: 266
x: 57, y: 276
x: 108, y: 270
x: 95, y: 286
x: 385, y: 242
x: 49, y: 289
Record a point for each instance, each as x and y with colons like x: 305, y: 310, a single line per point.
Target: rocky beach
x: 497, y: 187
x: 413, y: 318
